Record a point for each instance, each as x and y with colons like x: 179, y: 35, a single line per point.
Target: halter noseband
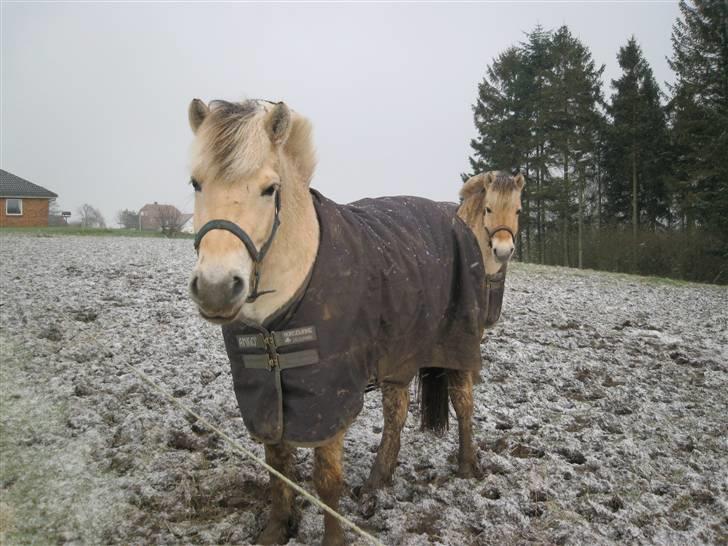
x: 255, y: 254
x: 496, y: 230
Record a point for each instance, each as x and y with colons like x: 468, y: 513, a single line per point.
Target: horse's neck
x: 291, y: 257
x: 471, y: 214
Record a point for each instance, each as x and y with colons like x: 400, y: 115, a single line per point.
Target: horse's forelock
x: 233, y: 140
x: 504, y: 190
x: 504, y: 183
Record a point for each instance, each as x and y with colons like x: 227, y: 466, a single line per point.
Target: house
x: 22, y: 203
x: 167, y: 218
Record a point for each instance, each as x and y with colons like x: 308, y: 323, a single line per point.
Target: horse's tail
x: 433, y: 391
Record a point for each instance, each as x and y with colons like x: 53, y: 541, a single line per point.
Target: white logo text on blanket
x: 296, y: 335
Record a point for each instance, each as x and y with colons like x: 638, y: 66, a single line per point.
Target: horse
x: 317, y: 301
x: 490, y: 203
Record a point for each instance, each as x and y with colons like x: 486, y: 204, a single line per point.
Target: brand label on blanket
x: 281, y: 339
x: 296, y: 335
x: 250, y: 341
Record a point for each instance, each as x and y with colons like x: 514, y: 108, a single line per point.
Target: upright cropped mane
x: 233, y: 140
x: 503, y: 182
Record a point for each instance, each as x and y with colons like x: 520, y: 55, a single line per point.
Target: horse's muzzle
x: 503, y: 253
x: 218, y: 295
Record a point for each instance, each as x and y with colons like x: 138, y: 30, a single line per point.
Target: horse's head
x: 491, y: 206
x: 247, y: 158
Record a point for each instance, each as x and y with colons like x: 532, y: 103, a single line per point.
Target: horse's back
x: 430, y: 277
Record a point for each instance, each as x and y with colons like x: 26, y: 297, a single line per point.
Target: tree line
x: 636, y: 181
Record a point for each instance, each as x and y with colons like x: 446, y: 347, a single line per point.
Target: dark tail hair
x: 433, y: 392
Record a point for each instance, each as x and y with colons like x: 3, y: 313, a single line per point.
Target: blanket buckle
x: 272, y: 352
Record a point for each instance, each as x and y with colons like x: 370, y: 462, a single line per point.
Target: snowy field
x: 602, y: 416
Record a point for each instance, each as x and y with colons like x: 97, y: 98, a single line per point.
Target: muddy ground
x: 602, y: 415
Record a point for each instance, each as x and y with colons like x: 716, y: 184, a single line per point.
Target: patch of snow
x: 601, y: 417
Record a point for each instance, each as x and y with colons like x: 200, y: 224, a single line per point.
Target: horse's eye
x: 270, y: 190
x: 195, y: 184
x: 518, y: 211
x: 487, y: 209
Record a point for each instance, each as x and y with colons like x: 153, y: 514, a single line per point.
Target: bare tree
x: 170, y: 219
x: 128, y: 219
x: 55, y: 218
x: 90, y: 217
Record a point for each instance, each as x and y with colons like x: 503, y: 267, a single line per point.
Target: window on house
x: 14, y: 207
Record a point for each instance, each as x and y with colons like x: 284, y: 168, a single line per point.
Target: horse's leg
x: 328, y: 477
x: 395, y: 400
x: 461, y: 395
x: 283, y: 517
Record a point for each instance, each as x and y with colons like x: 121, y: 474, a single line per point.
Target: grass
x: 94, y: 232
x: 585, y: 272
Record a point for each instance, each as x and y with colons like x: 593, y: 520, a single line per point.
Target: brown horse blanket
x: 398, y: 285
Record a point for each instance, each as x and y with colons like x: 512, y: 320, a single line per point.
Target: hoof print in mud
x: 573, y: 456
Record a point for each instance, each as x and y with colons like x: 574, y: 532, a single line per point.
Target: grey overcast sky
x: 95, y: 95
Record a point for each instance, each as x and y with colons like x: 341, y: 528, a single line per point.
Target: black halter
x: 255, y: 254
x: 496, y: 230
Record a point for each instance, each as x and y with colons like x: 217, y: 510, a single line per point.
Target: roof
x: 156, y: 208
x: 14, y: 186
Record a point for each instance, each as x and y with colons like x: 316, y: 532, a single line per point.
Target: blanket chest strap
x: 284, y: 361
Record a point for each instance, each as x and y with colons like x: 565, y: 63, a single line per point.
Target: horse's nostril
x: 238, y: 285
x: 193, y: 286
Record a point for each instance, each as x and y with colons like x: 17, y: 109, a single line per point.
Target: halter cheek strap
x: 255, y: 254
x: 495, y: 230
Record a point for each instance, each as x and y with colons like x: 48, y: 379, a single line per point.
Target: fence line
x: 239, y: 448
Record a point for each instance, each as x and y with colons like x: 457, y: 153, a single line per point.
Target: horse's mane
x: 235, y: 141
x: 471, y: 207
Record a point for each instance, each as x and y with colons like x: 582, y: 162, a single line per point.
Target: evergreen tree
x: 499, y: 118
x: 637, y: 144
x: 538, y: 64
x: 575, y: 90
x: 699, y: 109
x: 632, y: 162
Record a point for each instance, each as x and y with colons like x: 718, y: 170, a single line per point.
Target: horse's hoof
x: 470, y: 471
x: 367, y: 503
x: 333, y: 538
x: 274, y: 533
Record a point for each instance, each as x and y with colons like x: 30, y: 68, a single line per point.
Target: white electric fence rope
x: 252, y: 456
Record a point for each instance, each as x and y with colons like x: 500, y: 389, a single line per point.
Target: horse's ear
x: 197, y: 113
x: 474, y: 185
x: 520, y: 181
x: 278, y: 123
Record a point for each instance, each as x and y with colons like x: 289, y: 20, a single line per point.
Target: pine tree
x: 499, y: 119
x: 699, y: 112
x: 538, y: 64
x: 538, y: 109
x: 575, y: 87
x: 637, y: 144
